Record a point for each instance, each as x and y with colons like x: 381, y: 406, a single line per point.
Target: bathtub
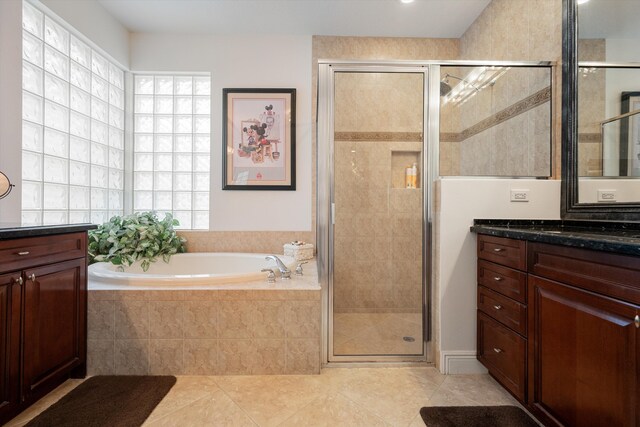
x: 189, y: 269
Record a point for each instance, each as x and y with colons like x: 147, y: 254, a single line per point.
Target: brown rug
x: 107, y: 401
x: 476, y: 416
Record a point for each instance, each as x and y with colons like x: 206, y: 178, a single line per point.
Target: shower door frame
x: 326, y: 197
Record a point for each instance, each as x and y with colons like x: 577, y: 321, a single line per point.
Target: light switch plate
x: 520, y: 195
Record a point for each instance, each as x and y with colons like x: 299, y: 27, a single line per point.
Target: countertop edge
x: 46, y: 230
x: 598, y: 243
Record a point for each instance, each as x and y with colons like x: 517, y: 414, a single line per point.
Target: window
x: 172, y: 125
x: 73, y: 127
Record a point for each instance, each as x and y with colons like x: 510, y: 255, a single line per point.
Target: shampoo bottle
x: 407, y: 177
x: 414, y: 176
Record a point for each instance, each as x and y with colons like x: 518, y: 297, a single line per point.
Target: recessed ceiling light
x: 581, y: 1
x: 406, y: 1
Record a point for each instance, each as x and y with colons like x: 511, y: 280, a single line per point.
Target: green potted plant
x: 141, y: 236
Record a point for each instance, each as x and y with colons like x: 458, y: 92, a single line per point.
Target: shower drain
x: 409, y: 339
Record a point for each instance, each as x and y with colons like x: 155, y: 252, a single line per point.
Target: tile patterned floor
x: 377, y: 333
x: 338, y: 397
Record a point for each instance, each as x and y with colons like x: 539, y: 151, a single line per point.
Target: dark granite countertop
x: 619, y: 237
x: 16, y: 231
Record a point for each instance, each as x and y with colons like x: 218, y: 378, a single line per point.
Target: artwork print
x: 259, y: 139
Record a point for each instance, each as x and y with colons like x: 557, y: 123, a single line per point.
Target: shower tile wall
x: 378, y: 230
x: 517, y: 30
x: 591, y: 105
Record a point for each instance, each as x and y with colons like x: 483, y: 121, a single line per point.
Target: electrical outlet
x: 607, y: 195
x: 519, y: 195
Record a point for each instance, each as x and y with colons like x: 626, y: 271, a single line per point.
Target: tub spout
x: 284, y: 271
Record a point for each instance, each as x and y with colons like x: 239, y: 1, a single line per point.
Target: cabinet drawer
x: 502, y: 251
x: 502, y: 351
x: 510, y: 313
x: 31, y: 251
x: 504, y: 280
x: 610, y: 274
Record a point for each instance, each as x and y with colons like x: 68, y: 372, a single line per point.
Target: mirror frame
x: 570, y: 208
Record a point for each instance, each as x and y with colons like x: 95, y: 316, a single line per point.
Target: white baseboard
x: 460, y: 362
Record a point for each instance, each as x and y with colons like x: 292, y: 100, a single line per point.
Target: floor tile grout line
x: 237, y: 404
x: 365, y: 409
x: 303, y: 408
x: 153, y: 420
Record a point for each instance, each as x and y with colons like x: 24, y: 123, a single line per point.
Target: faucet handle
x: 299, y: 271
x: 271, y: 277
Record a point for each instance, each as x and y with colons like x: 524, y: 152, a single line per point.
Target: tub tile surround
x: 238, y: 328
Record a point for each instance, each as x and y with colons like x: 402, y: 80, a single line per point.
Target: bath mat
x: 109, y: 400
x: 476, y: 416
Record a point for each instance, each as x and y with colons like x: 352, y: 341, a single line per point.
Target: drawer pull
x: 637, y: 321
x: 33, y: 277
x: 497, y: 307
x: 23, y: 253
x: 497, y: 350
x: 498, y: 250
x: 19, y: 281
x: 498, y: 279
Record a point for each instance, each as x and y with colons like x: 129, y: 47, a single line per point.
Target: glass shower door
x: 377, y: 240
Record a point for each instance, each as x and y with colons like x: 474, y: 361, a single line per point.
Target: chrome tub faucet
x: 284, y: 271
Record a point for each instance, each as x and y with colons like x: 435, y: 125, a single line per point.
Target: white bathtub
x: 191, y: 269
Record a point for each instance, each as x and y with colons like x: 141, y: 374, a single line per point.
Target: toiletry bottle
x: 407, y: 177
x: 414, y: 176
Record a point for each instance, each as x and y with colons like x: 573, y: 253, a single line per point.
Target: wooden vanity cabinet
x: 43, y: 317
x: 9, y: 344
x: 502, y: 311
x: 582, y: 308
x: 584, y: 329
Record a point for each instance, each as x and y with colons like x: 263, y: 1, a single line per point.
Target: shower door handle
x: 333, y: 213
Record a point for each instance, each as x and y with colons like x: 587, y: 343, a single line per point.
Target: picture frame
x: 630, y: 135
x: 259, y: 139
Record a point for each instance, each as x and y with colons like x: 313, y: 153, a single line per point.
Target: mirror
x: 5, y: 186
x: 601, y: 110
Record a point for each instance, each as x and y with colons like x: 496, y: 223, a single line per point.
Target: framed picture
x: 630, y: 135
x: 259, y: 134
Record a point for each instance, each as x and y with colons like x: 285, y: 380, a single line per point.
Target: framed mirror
x: 601, y: 110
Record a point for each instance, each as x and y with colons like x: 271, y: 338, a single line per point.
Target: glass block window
x: 172, y: 125
x: 72, y: 127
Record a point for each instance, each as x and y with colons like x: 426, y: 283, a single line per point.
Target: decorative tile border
x: 589, y: 137
x: 379, y: 136
x: 450, y: 137
x: 508, y: 113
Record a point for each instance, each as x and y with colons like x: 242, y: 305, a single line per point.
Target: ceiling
x: 384, y: 18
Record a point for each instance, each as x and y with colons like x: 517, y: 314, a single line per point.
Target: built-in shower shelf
x: 400, y: 160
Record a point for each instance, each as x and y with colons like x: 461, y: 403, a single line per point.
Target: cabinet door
x: 9, y: 344
x: 54, y: 324
x: 584, y: 351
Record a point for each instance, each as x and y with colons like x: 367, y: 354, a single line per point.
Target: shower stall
x: 373, y: 209
x: 386, y: 130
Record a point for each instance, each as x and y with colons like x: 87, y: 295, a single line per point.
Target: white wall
x: 95, y: 23
x: 462, y: 201
x: 249, y: 62
x: 11, y: 104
